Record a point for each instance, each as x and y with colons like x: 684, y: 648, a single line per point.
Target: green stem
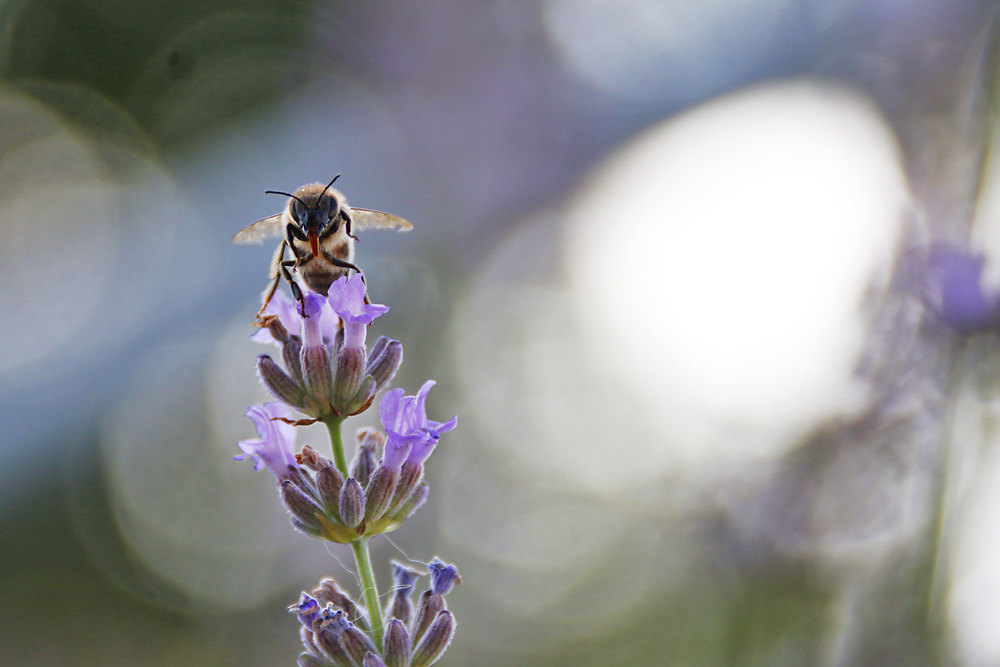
x: 333, y: 426
x: 360, y: 545
x: 367, y: 576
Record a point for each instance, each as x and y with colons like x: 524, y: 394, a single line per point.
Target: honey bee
x: 318, y: 228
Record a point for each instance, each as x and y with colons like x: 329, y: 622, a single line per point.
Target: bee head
x: 314, y: 208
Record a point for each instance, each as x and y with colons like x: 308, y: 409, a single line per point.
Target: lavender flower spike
x: 275, y: 448
x: 347, y: 298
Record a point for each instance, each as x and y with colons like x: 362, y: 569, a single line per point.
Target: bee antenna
x: 286, y: 194
x: 329, y: 184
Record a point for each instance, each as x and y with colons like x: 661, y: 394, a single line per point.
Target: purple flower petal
x: 396, y: 451
x: 405, y: 421
x: 312, y: 320
x: 403, y: 577
x: 347, y: 298
x: 307, y: 609
x: 443, y: 576
x: 390, y: 411
x: 275, y: 447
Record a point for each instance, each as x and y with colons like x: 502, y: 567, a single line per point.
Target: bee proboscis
x: 318, y: 228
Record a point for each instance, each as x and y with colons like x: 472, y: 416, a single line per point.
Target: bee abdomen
x: 320, y: 281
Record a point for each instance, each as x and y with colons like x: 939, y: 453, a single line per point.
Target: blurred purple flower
x: 347, y: 298
x: 275, y: 448
x: 405, y: 420
x: 953, y: 289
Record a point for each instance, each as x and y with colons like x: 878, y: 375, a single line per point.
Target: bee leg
x: 342, y: 264
x: 279, y: 257
x: 262, y: 320
x: 347, y: 265
x: 347, y: 226
x: 292, y: 285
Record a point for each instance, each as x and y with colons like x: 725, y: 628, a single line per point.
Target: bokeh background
x: 709, y: 284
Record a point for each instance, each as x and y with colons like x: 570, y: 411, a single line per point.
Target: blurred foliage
x: 482, y: 119
x: 180, y: 67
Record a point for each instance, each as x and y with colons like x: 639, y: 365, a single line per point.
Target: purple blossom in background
x: 347, y: 298
x: 953, y: 289
x: 405, y: 420
x: 275, y: 448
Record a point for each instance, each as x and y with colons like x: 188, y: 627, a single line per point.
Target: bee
x: 318, y: 228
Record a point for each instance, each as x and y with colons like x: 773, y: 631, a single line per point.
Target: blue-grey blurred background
x: 711, y: 286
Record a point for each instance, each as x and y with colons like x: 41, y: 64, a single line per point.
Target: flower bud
x: 357, y: 644
x: 364, y: 462
x: 329, y: 632
x: 396, y: 645
x: 377, y: 348
x: 337, y: 343
x: 350, y: 363
x: 302, y: 508
x: 401, y: 607
x: 410, y: 475
x: 379, y: 492
x: 329, y: 593
x: 329, y: 482
x: 413, y: 503
x: 352, y: 503
x: 433, y: 645
x: 309, y: 660
x: 291, y: 353
x: 372, y: 660
x: 301, y: 479
x: 316, y: 372
x: 403, y: 579
x: 384, y: 365
x: 363, y: 399
x: 308, y: 638
x: 312, y: 459
x: 369, y: 437
x: 428, y: 608
x: 278, y: 330
x: 279, y: 383
x: 305, y: 528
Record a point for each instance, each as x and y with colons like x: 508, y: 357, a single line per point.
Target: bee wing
x: 260, y: 231
x: 365, y: 218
